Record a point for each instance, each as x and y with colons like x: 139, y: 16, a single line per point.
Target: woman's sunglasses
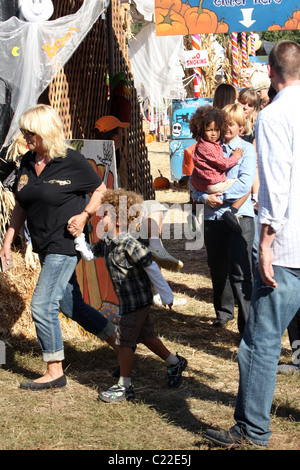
x: 26, y: 132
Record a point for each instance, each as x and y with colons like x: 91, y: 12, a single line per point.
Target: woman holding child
x: 51, y: 195
x: 229, y: 250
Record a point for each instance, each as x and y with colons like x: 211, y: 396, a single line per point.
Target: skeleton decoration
x: 106, y: 158
x: 176, y: 129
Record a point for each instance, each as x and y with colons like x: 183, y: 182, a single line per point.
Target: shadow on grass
x: 92, y: 365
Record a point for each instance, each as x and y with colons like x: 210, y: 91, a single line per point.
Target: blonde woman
x: 249, y: 100
x: 229, y: 252
x: 51, y: 194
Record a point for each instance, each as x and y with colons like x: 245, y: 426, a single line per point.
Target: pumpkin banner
x: 182, y: 17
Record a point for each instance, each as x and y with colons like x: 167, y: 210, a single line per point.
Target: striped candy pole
x: 235, y: 62
x: 244, y: 57
x: 197, y: 70
x: 252, y: 43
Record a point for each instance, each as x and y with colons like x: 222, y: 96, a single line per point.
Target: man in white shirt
x: 276, y: 292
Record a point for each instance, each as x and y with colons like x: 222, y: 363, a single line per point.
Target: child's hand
x: 238, y: 152
x: 76, y: 224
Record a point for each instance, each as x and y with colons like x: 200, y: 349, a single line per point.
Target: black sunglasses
x: 25, y: 131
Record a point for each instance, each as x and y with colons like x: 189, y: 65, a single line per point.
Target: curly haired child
x: 133, y: 273
x: 208, y: 125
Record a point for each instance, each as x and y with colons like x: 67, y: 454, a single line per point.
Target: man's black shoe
x: 230, y: 439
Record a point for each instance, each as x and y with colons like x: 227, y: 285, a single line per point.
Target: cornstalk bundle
x: 225, y: 42
x: 210, y: 71
x: 210, y: 74
x: 7, y: 202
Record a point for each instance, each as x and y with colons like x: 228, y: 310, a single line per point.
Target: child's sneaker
x: 164, y: 259
x: 117, y: 393
x: 174, y: 372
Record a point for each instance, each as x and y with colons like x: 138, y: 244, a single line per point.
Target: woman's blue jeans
x: 270, y: 314
x: 57, y: 290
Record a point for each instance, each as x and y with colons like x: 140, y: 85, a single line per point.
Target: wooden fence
x: 80, y: 92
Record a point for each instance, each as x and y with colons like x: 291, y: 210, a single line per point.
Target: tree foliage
x: 275, y: 36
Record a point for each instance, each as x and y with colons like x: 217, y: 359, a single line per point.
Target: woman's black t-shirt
x: 54, y: 196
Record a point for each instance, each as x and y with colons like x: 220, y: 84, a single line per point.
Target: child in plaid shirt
x: 208, y: 125
x: 133, y: 273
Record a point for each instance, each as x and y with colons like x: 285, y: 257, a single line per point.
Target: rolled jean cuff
x: 54, y: 356
x: 107, y: 331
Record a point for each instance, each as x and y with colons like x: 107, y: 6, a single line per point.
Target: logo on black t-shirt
x: 60, y: 182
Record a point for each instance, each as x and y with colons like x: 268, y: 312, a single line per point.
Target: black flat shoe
x: 61, y: 382
x: 220, y: 323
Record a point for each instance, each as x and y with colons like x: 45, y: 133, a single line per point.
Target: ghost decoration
x: 146, y: 8
x: 33, y: 50
x: 36, y: 10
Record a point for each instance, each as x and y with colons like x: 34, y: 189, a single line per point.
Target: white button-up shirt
x: 277, y: 133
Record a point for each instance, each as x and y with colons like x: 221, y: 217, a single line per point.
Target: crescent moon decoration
x: 15, y: 51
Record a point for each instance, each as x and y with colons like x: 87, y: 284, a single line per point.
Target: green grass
x: 160, y: 418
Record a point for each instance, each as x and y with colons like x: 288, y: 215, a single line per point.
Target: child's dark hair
x: 203, y: 117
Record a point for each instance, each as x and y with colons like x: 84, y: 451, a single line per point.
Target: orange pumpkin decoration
x: 169, y: 22
x: 296, y: 14
x: 201, y: 20
x: 148, y: 138
x: 222, y: 27
x: 291, y: 23
x: 161, y: 182
x: 166, y: 4
x: 184, y: 7
x: 274, y: 27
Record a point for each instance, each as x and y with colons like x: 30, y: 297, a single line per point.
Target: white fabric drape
x: 155, y: 62
x: 31, y: 54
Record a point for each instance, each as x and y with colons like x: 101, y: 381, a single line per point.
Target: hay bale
x: 17, y: 286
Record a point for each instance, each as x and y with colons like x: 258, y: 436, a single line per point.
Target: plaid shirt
x: 210, y: 164
x: 125, y: 257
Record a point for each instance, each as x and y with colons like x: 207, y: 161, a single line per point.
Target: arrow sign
x: 247, y: 17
